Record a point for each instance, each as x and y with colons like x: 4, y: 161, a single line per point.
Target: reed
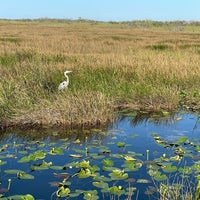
x: 114, y: 66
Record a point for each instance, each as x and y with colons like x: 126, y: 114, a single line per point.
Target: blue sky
x: 102, y: 10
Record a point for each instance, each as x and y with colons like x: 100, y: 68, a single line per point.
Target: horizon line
x: 93, y: 20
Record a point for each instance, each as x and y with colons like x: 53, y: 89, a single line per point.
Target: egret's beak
x: 66, y: 72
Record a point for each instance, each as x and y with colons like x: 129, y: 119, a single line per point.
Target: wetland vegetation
x: 138, y: 65
x: 116, y: 67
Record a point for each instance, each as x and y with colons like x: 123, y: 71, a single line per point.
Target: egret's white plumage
x: 64, y: 84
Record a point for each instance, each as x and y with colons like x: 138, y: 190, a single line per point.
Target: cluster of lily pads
x: 177, y: 171
x: 97, y: 169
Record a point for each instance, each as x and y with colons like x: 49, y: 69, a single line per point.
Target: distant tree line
x: 134, y: 23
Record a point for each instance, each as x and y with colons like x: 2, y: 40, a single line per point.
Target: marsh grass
x: 113, y: 67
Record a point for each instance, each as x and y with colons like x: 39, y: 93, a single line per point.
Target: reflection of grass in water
x: 170, y: 171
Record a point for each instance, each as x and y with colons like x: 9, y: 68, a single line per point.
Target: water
x: 129, y: 137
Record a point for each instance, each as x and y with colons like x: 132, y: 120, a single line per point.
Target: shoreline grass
x: 114, y: 67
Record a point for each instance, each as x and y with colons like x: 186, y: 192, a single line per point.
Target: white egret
x: 64, y: 84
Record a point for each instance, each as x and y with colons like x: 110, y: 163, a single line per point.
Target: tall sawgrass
x: 112, y: 68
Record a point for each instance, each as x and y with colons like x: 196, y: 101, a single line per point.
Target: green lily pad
x: 13, y: 171
x: 169, y: 169
x: 81, y: 151
x: 54, y: 167
x: 21, y: 197
x: 101, y: 178
x: 116, y: 155
x: 186, y: 170
x: 129, y: 158
x: 197, y: 149
x: 24, y: 159
x: 37, y: 155
x: 100, y: 184
x: 118, y: 174
x: 143, y: 181
x: 76, y: 155
x: 23, y: 175
x: 130, y: 167
x: 90, y: 195
x: 56, y: 151
x: 96, y: 156
x: 63, y: 192
x: 71, y: 164
x: 2, y: 162
x: 108, y: 162
x: 121, y: 144
x: 83, y: 164
x: 160, y: 177
x: 72, y: 195
x: 85, y: 173
x: 42, y: 166
x: 117, y: 190
x: 109, y: 169
x: 182, y: 140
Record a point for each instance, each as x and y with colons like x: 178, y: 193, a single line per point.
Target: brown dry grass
x: 113, y: 67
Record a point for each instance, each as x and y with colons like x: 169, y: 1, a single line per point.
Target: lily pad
x: 169, y: 169
x: 182, y: 140
x: 37, y: 155
x: 186, y: 170
x: 160, y: 177
x: 108, y: 162
x: 90, y: 195
x: 24, y: 159
x: 13, y: 171
x: 118, y: 174
x: 42, y: 166
x: 3, y: 162
x: 85, y: 173
x: 56, y: 151
x: 100, y: 184
x: 21, y: 197
x: 23, y: 175
x: 76, y: 155
x: 121, y: 144
x: 130, y: 167
x: 63, y: 192
x: 117, y: 190
x: 54, y: 167
x: 143, y: 181
x: 101, y: 178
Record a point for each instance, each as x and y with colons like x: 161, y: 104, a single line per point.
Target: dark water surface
x: 129, y: 137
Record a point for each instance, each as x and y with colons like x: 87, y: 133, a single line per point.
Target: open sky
x: 102, y: 10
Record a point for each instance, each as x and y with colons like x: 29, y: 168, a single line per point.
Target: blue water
x: 136, y: 134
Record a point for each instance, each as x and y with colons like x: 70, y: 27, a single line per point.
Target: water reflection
x: 130, y: 136
x: 134, y: 119
x: 158, y: 118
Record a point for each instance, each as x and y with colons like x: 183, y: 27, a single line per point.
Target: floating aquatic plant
x: 118, y: 174
x: 108, y: 168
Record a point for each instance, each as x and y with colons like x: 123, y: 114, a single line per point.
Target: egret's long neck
x: 67, y: 79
